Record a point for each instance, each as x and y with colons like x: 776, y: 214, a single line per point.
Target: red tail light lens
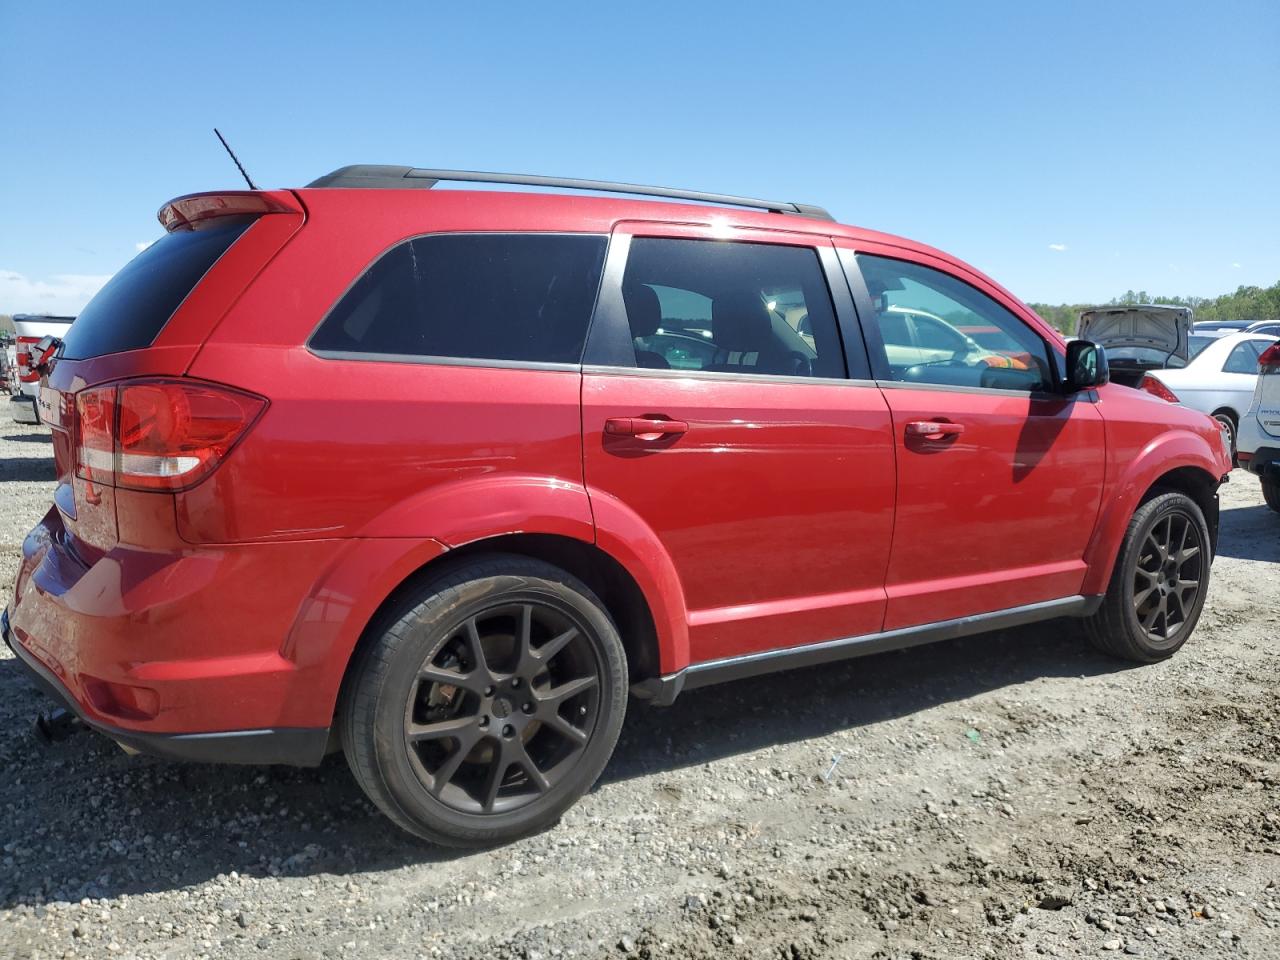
x: 158, y: 434
x: 22, y: 355
x: 1269, y: 361
x: 1156, y: 388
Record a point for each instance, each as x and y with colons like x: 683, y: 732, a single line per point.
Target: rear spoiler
x: 185, y: 212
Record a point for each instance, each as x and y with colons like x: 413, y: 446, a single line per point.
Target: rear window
x: 525, y: 297
x: 131, y: 310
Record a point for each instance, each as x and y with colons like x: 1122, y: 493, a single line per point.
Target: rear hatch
x: 1138, y: 338
x: 149, y: 321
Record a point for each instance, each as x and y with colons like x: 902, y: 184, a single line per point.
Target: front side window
x: 724, y: 307
x: 525, y: 297
x: 936, y: 329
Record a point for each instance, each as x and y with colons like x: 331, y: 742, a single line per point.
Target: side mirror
x: 1086, y: 366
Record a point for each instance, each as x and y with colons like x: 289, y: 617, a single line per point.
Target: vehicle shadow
x: 85, y: 820
x: 1250, y: 533
x: 29, y: 438
x: 27, y: 468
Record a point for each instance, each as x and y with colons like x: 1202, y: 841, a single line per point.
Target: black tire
x: 1271, y: 493
x: 434, y: 731
x: 1129, y: 623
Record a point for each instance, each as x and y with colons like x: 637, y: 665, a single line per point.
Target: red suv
x: 440, y: 476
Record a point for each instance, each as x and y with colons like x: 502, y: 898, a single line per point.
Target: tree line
x: 1247, y: 303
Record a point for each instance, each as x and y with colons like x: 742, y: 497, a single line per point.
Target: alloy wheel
x: 501, y: 711
x: 1167, y: 577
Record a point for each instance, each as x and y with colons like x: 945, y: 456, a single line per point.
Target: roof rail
x: 379, y: 176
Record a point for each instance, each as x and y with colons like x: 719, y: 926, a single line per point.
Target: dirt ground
x: 1009, y: 795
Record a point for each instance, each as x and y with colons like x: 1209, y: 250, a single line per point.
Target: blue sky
x: 1071, y: 150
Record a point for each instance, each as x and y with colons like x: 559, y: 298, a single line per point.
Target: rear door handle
x: 644, y: 428
x: 933, y: 429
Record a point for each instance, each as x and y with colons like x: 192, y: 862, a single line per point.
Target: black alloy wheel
x: 1159, y: 583
x: 504, y: 708
x: 487, y: 702
x: 1166, y: 582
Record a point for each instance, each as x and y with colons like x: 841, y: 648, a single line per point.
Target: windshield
x: 131, y: 310
x: 1197, y: 343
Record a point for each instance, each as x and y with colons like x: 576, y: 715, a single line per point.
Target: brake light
x: 23, y: 349
x: 158, y: 434
x: 1269, y: 361
x: 1156, y: 388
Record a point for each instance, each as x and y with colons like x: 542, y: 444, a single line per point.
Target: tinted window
x: 472, y: 296
x: 137, y: 302
x: 730, y: 308
x: 941, y: 311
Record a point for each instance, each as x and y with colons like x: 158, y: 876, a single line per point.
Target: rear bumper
x: 1265, y: 462
x: 23, y: 409
x: 299, y: 746
x: 177, y: 652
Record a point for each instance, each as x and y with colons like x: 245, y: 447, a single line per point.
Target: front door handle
x: 933, y: 429
x: 644, y: 428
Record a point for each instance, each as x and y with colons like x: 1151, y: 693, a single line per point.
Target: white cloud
x: 1236, y: 265
x: 62, y: 293
x: 1057, y: 247
x: 142, y: 245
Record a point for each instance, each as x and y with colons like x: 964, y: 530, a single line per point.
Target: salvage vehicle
x: 1138, y: 338
x: 373, y: 466
x: 1259, y: 439
x: 1219, y: 380
x: 24, y: 388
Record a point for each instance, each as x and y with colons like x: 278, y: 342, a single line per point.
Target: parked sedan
x: 1219, y: 380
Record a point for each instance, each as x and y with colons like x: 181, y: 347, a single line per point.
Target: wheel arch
x: 609, y: 579
x: 1184, y: 469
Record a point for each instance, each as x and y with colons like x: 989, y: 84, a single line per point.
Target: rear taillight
x: 23, y: 350
x: 158, y: 434
x: 1269, y: 361
x: 1156, y: 388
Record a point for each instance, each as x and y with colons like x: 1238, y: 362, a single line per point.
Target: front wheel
x: 490, y: 706
x: 1159, y: 584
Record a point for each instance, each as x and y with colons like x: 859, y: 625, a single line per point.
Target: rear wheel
x: 490, y: 706
x: 1159, y: 584
x: 1271, y: 492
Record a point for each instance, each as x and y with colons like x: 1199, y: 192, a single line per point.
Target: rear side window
x: 1244, y: 357
x: 131, y: 310
x: 724, y: 307
x: 524, y: 297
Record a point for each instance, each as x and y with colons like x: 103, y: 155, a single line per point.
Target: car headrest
x: 644, y: 311
x: 740, y: 322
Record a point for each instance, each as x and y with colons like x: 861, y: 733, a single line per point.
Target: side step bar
x: 662, y: 691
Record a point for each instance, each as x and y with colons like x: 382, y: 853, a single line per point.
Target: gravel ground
x: 1008, y: 795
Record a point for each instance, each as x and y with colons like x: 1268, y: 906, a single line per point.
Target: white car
x: 1259, y: 439
x: 1219, y: 380
x: 25, y: 385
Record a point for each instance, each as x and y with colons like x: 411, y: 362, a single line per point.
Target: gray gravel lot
x: 1011, y: 795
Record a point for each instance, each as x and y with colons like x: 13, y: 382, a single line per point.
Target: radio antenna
x: 239, y: 165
